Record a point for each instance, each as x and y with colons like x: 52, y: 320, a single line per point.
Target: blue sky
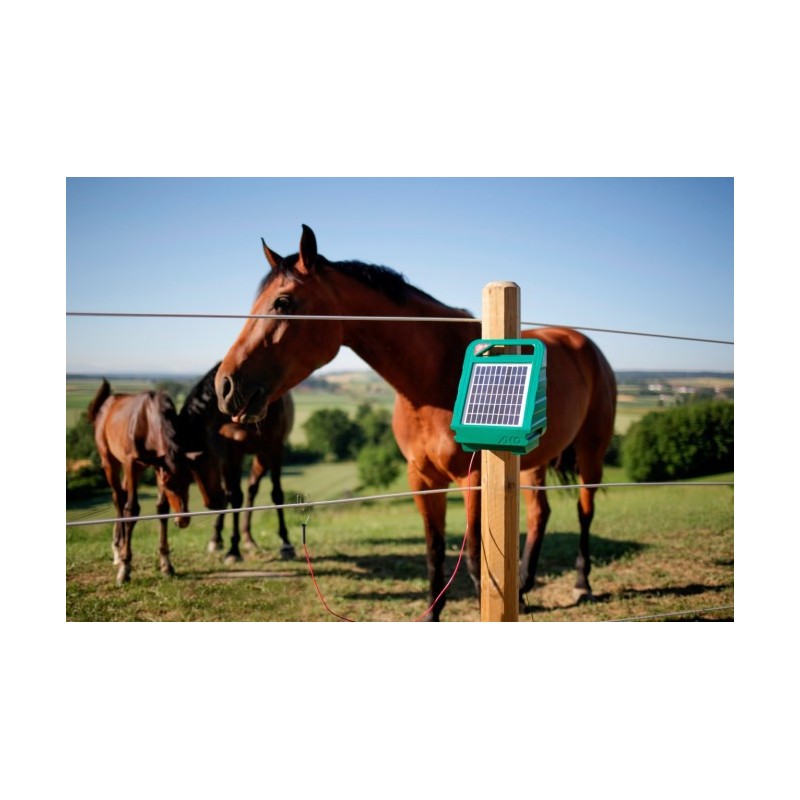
x: 649, y: 255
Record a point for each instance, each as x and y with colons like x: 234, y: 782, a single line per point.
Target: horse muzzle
x: 244, y: 402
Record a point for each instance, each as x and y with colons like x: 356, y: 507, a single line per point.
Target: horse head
x: 272, y: 355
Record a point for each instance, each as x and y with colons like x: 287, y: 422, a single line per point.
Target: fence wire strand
x: 388, y: 496
x: 359, y: 318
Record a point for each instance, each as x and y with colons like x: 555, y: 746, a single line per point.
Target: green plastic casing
x: 521, y: 438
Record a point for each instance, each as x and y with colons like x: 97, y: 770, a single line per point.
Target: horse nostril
x: 227, y: 388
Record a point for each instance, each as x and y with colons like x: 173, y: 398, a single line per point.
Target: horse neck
x: 199, y: 411
x: 421, y: 360
x: 157, y: 440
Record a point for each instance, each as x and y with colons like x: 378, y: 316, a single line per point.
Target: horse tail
x: 103, y: 393
x: 288, y: 410
x: 565, y: 466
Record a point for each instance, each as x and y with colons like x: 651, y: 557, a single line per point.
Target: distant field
x: 355, y: 388
x: 80, y: 392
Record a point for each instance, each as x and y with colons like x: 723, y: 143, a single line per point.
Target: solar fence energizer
x: 502, y: 398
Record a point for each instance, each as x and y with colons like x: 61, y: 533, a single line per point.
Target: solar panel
x: 496, y: 394
x: 502, y: 401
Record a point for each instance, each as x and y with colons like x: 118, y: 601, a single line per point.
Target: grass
x: 660, y: 550
x: 656, y: 551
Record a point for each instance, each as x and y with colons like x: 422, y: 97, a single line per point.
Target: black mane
x: 200, y: 402
x: 374, y: 276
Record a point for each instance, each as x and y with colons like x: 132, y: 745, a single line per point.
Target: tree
x: 685, y: 442
x: 378, y: 465
x: 380, y: 459
x: 331, y: 432
x: 376, y: 423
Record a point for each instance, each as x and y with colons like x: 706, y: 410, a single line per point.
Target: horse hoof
x: 288, y: 552
x: 167, y: 570
x: 233, y: 558
x: 582, y: 596
x: 249, y: 545
x: 124, y: 575
x: 214, y: 546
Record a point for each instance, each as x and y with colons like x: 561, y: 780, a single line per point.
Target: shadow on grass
x: 558, y: 557
x: 560, y: 550
x: 690, y: 590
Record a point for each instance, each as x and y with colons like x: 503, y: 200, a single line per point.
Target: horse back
x: 128, y: 426
x: 581, y: 394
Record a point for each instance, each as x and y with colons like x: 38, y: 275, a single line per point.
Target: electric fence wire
x: 358, y: 318
x: 388, y: 496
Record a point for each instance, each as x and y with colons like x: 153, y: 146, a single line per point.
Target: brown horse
x: 222, y: 446
x: 422, y: 361
x: 133, y: 432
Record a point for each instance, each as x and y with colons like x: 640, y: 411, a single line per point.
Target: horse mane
x: 169, y: 429
x: 201, y: 395
x: 103, y: 393
x: 200, y: 403
x: 382, y: 279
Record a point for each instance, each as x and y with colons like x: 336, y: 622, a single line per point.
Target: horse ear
x: 273, y: 258
x: 308, y: 251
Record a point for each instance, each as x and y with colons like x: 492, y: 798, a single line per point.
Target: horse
x: 222, y: 446
x: 133, y: 432
x: 422, y: 362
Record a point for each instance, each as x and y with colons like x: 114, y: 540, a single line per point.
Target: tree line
x: 682, y: 442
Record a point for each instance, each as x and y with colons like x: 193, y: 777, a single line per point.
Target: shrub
x: 331, y: 432
x: 613, y: 455
x: 378, y: 464
x: 684, y: 442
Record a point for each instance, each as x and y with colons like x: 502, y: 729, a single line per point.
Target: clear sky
x: 648, y: 255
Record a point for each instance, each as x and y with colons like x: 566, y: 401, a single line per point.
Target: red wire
x: 446, y: 586
x: 313, y: 578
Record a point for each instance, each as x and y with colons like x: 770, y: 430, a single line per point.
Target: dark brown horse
x: 222, y: 446
x: 134, y: 432
x: 422, y: 361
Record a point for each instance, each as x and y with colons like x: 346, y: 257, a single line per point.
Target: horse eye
x: 282, y: 303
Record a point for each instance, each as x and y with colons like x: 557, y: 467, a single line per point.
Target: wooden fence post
x: 500, y: 481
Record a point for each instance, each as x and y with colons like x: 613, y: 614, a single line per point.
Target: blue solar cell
x: 496, y: 394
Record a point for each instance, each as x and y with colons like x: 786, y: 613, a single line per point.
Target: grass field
x: 656, y: 550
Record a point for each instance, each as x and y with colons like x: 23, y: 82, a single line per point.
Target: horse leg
x: 590, y: 468
x: 131, y: 509
x: 235, y: 498
x: 215, y: 543
x: 287, y: 549
x: 537, y: 514
x: 162, y: 507
x: 111, y: 469
x: 433, y: 509
x: 256, y: 473
x: 472, y: 504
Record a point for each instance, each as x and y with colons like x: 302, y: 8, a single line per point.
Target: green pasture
x: 355, y: 389
x: 656, y: 551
